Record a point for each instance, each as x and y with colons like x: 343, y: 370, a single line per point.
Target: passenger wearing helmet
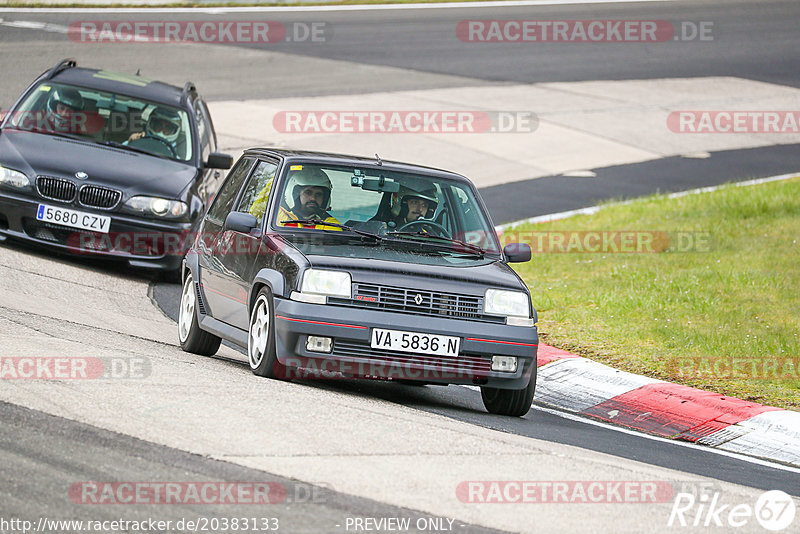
x: 416, y: 205
x: 164, y: 125
x: 63, y: 105
x: 311, y: 196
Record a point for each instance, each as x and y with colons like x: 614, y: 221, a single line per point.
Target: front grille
x: 465, y: 365
x: 414, y: 301
x: 54, y: 188
x: 103, y: 198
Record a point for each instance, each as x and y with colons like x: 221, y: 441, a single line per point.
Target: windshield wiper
x: 471, y: 248
x: 318, y: 221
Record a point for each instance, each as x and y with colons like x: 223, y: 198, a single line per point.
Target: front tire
x: 261, y: 338
x: 191, y: 337
x: 512, y: 402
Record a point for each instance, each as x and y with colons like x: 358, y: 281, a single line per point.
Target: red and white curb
x: 575, y: 384
x: 588, y: 388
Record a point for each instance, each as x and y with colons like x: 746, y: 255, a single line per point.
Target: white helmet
x: 164, y: 123
x: 310, y: 177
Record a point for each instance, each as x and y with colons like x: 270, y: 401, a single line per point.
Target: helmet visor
x: 164, y: 126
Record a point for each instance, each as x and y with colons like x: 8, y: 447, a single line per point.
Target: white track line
x: 594, y: 209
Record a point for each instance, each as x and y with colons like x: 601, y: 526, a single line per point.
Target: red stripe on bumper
x: 319, y: 322
x: 503, y: 342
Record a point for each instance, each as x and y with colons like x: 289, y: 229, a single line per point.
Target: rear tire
x: 512, y: 402
x: 261, y: 338
x: 192, y: 338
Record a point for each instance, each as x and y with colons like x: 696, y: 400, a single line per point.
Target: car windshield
x: 106, y: 118
x: 428, y: 212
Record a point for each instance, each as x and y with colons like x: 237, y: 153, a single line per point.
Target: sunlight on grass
x: 722, y: 315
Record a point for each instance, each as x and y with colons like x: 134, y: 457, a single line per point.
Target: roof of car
x: 127, y: 84
x: 346, y: 159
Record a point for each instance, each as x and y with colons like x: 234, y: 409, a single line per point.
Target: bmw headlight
x: 158, y: 207
x: 13, y: 178
x: 506, y: 303
x: 328, y: 283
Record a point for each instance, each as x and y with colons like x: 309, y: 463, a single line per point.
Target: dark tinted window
x: 223, y: 202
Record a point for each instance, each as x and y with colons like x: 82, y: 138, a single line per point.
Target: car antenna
x: 377, y: 157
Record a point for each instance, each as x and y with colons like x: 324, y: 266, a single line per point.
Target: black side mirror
x: 237, y: 221
x: 517, y: 252
x: 218, y: 160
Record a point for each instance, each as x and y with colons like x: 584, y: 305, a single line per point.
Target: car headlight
x: 328, y: 283
x: 507, y: 303
x: 13, y: 178
x: 158, y: 207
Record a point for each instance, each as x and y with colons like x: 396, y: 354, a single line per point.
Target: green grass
x: 684, y: 316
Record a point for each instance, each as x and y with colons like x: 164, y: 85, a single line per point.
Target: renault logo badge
x: 418, y: 299
x: 80, y: 175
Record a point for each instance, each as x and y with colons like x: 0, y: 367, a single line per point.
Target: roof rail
x: 64, y: 64
x: 188, y: 88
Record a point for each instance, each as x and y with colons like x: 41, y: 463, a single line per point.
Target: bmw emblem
x: 418, y: 299
x: 80, y: 175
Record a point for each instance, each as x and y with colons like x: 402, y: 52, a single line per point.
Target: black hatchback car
x: 98, y: 162
x: 338, y: 266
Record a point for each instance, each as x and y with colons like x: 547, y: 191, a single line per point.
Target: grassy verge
x: 717, y: 306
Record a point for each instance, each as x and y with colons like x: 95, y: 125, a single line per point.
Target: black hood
x: 473, y: 279
x: 133, y: 173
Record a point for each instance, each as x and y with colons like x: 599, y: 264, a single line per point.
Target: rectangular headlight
x: 507, y: 303
x: 329, y: 283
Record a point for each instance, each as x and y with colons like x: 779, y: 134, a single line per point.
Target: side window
x: 223, y: 202
x: 204, y: 130
x: 256, y: 195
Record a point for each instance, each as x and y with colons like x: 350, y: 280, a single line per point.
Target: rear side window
x: 223, y: 202
x: 204, y: 130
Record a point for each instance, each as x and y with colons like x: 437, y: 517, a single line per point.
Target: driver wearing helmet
x: 416, y: 205
x: 311, y: 194
x: 163, y: 124
x: 62, y: 109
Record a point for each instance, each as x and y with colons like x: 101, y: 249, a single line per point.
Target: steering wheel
x: 440, y: 230
x: 147, y: 143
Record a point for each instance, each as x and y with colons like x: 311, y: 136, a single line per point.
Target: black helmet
x: 426, y: 192
x: 164, y: 123
x: 65, y: 96
x: 310, y: 177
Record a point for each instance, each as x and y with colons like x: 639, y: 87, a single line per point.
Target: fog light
x: 506, y: 364
x: 323, y: 344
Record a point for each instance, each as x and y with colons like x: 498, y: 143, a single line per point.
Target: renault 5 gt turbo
x: 110, y: 164
x: 340, y: 266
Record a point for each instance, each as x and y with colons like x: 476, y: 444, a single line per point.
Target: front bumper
x: 351, y: 355
x: 140, y: 242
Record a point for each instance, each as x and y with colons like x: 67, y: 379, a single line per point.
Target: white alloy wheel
x: 258, y: 338
x: 186, y: 316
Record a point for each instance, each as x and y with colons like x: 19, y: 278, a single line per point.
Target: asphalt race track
x: 360, y: 449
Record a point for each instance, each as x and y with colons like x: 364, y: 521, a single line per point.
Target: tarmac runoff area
x: 551, y: 128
